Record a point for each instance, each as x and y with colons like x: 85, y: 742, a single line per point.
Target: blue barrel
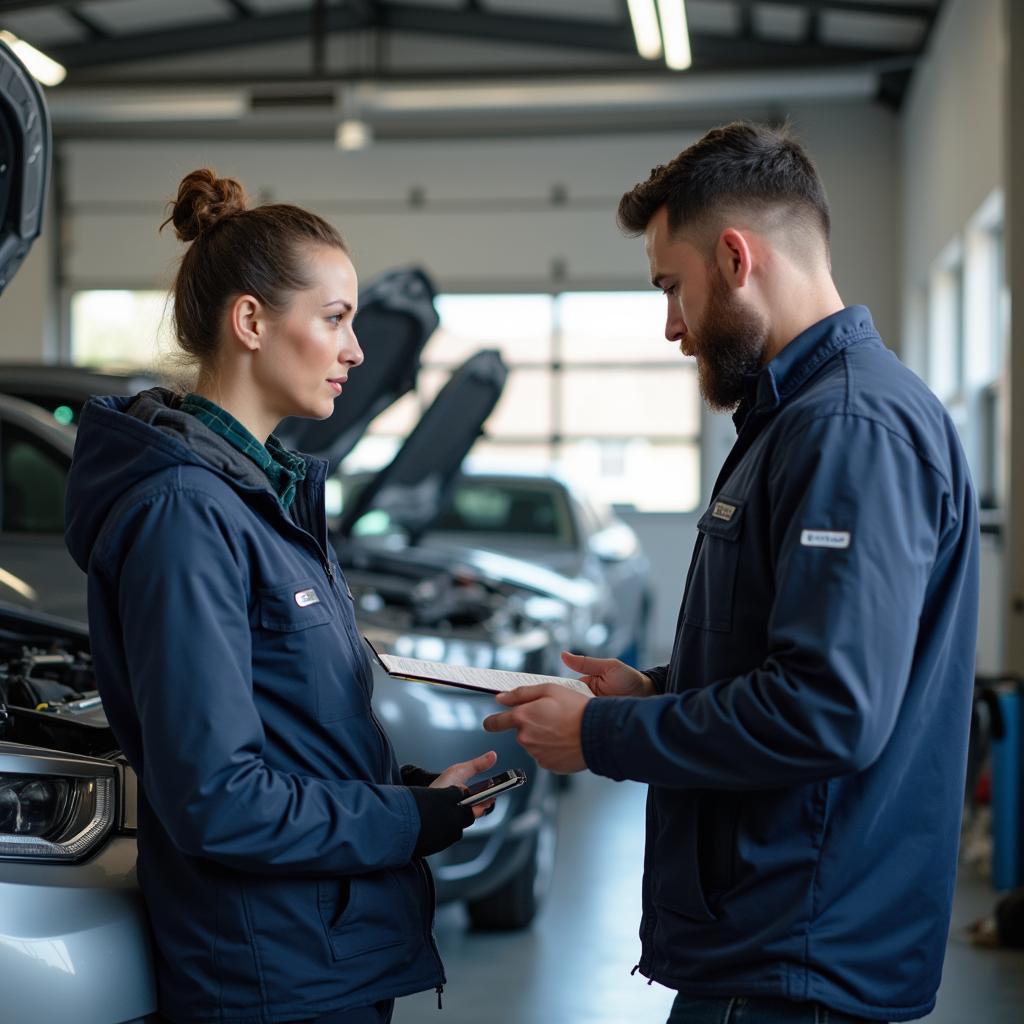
x: 1007, y: 795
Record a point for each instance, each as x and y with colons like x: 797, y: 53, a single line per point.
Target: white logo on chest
x: 303, y: 598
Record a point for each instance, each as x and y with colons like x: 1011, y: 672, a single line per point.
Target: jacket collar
x: 781, y: 378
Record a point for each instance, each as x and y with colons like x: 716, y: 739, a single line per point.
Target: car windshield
x: 507, y: 508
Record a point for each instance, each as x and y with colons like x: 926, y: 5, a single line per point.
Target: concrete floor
x: 573, y: 966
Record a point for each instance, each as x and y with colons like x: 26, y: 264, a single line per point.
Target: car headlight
x: 54, y: 809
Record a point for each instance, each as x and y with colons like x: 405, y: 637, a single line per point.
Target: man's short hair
x: 739, y: 168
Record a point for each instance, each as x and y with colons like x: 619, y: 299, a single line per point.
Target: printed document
x: 485, y: 680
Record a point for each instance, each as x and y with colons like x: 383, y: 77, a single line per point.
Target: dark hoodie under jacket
x: 275, y: 838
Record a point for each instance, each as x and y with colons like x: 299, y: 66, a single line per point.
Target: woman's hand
x: 460, y: 774
x: 609, y: 677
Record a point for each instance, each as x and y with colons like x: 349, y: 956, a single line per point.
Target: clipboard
x: 463, y: 677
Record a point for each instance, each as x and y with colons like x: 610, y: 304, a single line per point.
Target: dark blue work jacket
x: 806, y: 760
x: 275, y: 839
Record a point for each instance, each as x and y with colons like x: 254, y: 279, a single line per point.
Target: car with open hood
x: 501, y: 869
x: 69, y: 902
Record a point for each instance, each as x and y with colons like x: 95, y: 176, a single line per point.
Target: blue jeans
x: 754, y: 1010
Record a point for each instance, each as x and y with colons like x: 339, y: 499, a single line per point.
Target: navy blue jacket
x: 275, y: 837
x: 806, y: 758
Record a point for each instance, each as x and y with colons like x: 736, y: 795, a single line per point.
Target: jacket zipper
x: 328, y: 567
x: 385, y: 744
x: 428, y: 880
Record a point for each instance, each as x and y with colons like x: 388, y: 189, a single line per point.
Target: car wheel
x: 516, y: 903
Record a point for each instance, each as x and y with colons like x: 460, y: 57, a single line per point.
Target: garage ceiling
x: 420, y: 67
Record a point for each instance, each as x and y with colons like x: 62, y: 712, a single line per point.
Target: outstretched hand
x: 609, y: 677
x: 460, y: 773
x: 548, y: 720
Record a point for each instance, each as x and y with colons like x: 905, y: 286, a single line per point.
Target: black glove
x: 442, y: 820
x: 413, y: 776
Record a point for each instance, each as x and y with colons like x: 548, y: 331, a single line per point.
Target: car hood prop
x: 415, y: 487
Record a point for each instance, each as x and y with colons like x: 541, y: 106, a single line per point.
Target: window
x: 967, y: 315
x: 593, y: 389
x: 946, y: 362
x: 508, y: 508
x: 126, y: 328
x: 34, y: 477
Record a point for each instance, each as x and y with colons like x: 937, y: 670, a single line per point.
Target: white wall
x: 486, y: 218
x: 952, y: 131
x: 953, y: 152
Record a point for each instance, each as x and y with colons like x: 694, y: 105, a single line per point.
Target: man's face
x: 704, y: 316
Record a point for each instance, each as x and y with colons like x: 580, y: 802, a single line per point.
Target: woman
x: 280, y: 845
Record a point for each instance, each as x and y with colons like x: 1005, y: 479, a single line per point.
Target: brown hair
x: 740, y: 166
x: 236, y: 250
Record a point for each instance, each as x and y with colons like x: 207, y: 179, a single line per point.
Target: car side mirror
x: 615, y: 543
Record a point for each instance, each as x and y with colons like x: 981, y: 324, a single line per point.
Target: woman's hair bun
x: 203, y: 200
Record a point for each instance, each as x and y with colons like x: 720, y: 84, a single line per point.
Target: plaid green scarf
x: 284, y: 469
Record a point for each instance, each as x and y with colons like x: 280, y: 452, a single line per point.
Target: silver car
x: 576, y: 547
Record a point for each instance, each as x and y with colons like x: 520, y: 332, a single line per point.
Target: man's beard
x: 730, y: 346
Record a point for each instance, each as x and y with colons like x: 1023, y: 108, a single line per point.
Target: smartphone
x: 489, y: 788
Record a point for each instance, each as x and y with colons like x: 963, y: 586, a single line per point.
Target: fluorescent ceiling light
x: 42, y: 68
x: 106, y: 106
x: 353, y: 134
x: 387, y: 101
x: 645, y: 28
x: 675, y: 35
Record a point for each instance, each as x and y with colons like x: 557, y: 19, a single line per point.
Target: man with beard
x: 805, y: 747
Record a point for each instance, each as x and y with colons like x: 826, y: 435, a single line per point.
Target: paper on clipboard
x: 483, y: 680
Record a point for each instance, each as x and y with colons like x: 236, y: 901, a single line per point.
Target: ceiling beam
x: 880, y: 64
x: 903, y: 9
x: 747, y: 51
x: 92, y: 27
x: 10, y: 6
x: 203, y: 37
x: 873, y: 7
x: 240, y: 7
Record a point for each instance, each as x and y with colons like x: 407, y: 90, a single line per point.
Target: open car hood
x: 25, y: 158
x: 415, y: 487
x: 395, y: 320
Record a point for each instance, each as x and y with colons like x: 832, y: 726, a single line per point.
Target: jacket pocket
x: 676, y: 865
x: 718, y: 816
x: 712, y: 590
x: 292, y: 607
x: 363, y: 913
x: 303, y: 649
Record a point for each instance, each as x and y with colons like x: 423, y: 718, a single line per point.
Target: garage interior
x: 487, y: 142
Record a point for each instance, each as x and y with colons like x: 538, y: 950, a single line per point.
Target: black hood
x: 414, y: 489
x: 122, y: 441
x: 24, y: 162
x: 395, y: 320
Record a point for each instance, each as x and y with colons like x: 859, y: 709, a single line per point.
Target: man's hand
x: 459, y: 774
x: 608, y: 677
x: 548, y: 720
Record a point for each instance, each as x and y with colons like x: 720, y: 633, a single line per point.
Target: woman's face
x: 311, y: 347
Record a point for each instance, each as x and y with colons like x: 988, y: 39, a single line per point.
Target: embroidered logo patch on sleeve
x: 825, y: 538
x: 723, y: 510
x: 303, y: 598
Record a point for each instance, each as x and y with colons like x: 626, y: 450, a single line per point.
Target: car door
x: 35, y: 568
